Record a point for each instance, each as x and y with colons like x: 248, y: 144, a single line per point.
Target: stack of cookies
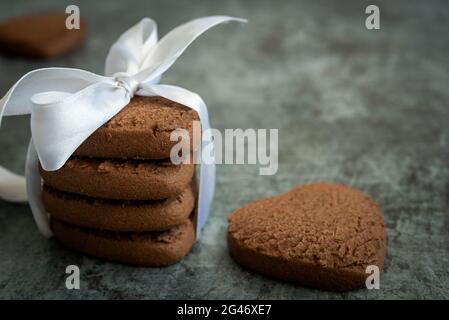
x: 119, y: 197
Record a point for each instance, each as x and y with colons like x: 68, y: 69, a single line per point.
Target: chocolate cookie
x: 116, y: 215
x: 141, y: 130
x: 153, y: 249
x: 322, y: 235
x: 121, y: 179
x: 39, y: 36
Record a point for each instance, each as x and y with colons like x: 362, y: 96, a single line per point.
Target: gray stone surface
x: 368, y: 108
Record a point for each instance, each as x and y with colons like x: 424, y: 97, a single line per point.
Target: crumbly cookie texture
x: 322, y: 235
x: 121, y: 179
x: 119, y: 215
x: 141, y: 130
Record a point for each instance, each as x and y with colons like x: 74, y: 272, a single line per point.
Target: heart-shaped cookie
x: 322, y: 235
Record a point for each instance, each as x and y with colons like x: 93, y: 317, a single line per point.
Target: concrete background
x: 367, y: 108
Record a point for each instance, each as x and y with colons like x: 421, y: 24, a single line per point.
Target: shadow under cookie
x: 118, y: 215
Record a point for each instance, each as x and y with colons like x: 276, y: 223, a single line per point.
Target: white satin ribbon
x: 67, y: 105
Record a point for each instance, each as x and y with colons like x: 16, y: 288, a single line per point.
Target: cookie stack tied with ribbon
x: 102, y: 146
x: 127, y: 201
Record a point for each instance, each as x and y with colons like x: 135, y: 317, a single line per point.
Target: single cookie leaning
x: 141, y: 130
x: 117, y: 215
x: 121, y: 179
x: 152, y: 249
x: 322, y: 235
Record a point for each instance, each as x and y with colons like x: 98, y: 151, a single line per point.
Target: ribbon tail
x: 207, y: 158
x: 34, y: 189
x: 12, y: 186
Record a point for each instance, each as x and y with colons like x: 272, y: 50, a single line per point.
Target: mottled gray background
x: 368, y: 108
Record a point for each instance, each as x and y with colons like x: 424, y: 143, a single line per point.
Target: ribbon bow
x: 67, y: 105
